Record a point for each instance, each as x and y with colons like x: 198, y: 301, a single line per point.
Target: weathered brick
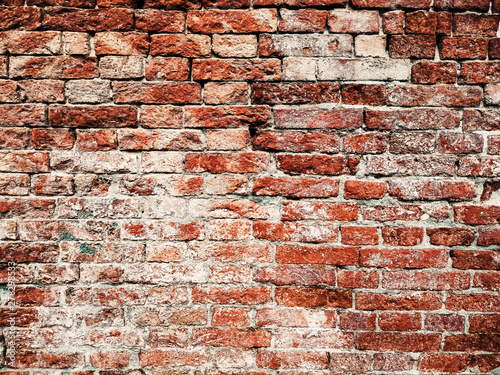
x: 305, y: 45
x: 432, y: 73
x: 72, y: 19
x: 318, y: 164
x: 56, y: 67
x: 435, y: 96
x: 412, y: 46
x: 157, y: 92
x: 302, y: 20
x: 115, y: 43
x: 180, y: 45
x: 236, y: 69
x: 232, y: 21
x: 353, y: 22
x: 459, y: 48
x: 159, y: 21
x: 295, y: 93
x: 235, y: 45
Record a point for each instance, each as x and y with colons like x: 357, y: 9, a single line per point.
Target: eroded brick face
x: 235, y: 187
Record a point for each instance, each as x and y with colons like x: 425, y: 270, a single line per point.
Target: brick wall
x: 228, y: 187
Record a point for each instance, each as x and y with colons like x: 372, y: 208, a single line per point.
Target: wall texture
x: 226, y: 187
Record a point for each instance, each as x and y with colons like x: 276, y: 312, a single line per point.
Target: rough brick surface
x: 237, y: 187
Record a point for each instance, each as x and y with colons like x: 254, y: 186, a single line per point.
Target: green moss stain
x: 87, y: 249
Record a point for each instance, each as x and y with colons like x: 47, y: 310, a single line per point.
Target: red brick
x: 481, y: 5
x: 250, y: 162
x: 43, y: 91
x: 239, y: 338
x: 161, y: 117
x: 292, y: 360
x: 71, y: 19
x: 392, y: 361
x: 444, y: 323
x: 68, y: 3
x: 444, y: 23
x: 489, y: 188
x: 435, y: 96
x: 360, y: 94
x: 477, y: 215
x: 473, y: 342
x: 232, y: 21
x: 412, y: 119
x: 318, y: 164
x: 180, y: 45
x: 410, y: 4
x: 296, y: 93
x: 236, y: 69
x: 357, y: 279
x: 367, y: 143
x: 399, y: 322
x: 27, y: 359
x: 353, y: 21
x: 162, y: 230
x: 443, y: 362
x: 432, y: 73
x: 421, y: 23
x: 31, y: 43
x: 450, y: 236
x: 412, y: 143
x: 92, y: 116
x: 475, y: 24
x: 232, y: 317
x: 484, y: 323
x: 115, y: 43
x: 301, y: 210
x: 403, y: 342
x: 494, y: 48
x: 295, y: 318
x: 404, y: 212
x: 14, y: 17
x: 461, y: 143
x: 56, y: 67
x: 401, y: 236
x: 487, y: 281
x: 480, y: 72
x: 174, y: 357
x: 426, y: 280
x: 394, y: 22
x: 117, y: 3
x: 225, y: 93
x: 302, y: 20
x: 317, y: 254
x: 295, y: 141
x: 157, y: 92
x: 354, y: 189
x: 313, y: 297
x: 359, y: 235
x: 318, y: 119
x: 299, y: 3
x: 14, y: 184
x: 476, y: 259
x: 229, y: 230
x: 94, y: 140
x: 231, y: 295
x: 176, y: 4
x: 158, y: 140
x: 459, y: 48
x: 403, y: 258
x: 414, y: 46
x: 153, y: 20
x: 350, y: 362
x: 227, y: 4
x: 29, y: 162
x: 296, y: 187
x: 227, y: 117
x: 432, y: 190
x: 473, y: 302
x: 29, y: 252
x: 292, y: 232
x: 110, y: 360
x: 357, y: 321
x: 488, y: 237
x: 52, y: 185
x: 294, y: 276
